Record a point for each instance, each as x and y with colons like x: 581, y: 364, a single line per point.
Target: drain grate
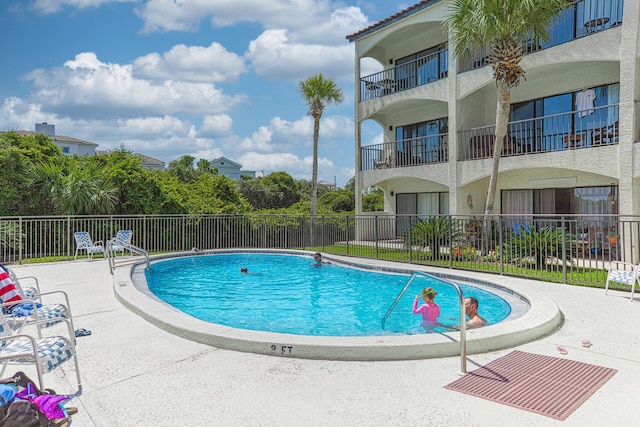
x: 545, y: 385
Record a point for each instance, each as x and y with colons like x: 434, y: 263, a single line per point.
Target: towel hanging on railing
x: 584, y: 102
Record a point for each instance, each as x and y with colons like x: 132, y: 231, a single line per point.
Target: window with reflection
x: 412, y: 207
x: 423, y: 141
x: 559, y: 201
x: 554, y: 122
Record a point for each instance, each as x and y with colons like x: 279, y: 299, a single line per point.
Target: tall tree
x: 318, y: 92
x: 503, y: 25
x: 79, y: 186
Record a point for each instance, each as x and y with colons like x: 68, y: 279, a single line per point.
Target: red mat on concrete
x: 546, y: 385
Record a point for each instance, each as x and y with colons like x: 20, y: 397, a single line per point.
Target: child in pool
x: 430, y: 310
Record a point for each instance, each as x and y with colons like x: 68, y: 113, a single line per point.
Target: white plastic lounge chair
x: 623, y: 272
x: 121, y: 241
x: 52, y: 313
x: 84, y: 242
x: 46, y: 353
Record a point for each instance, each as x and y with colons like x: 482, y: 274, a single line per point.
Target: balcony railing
x: 559, y: 132
x: 411, y: 74
x: 580, y: 19
x: 408, y: 152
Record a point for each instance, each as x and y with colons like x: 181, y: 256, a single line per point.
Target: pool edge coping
x: 543, y: 318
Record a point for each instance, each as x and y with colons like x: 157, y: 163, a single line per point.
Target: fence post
x: 347, y: 234
x: 323, y: 232
x: 20, y: 248
x: 70, y: 238
x: 500, y: 239
x: 564, y: 251
x: 410, y: 245
x: 376, y: 233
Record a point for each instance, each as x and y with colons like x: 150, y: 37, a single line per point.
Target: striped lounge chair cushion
x: 55, y: 312
x: 621, y: 276
x: 53, y: 351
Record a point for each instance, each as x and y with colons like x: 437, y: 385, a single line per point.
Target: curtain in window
x: 428, y: 204
x: 518, y: 202
x: 547, y: 201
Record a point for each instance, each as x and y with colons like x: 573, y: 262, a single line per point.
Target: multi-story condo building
x: 571, y: 140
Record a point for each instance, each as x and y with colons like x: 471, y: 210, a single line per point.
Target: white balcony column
x: 452, y: 87
x: 629, y: 202
x: 357, y: 136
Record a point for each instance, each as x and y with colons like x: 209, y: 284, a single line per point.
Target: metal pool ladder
x: 463, y: 323
x: 111, y: 255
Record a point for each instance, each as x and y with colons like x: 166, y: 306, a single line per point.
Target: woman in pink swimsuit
x: 430, y: 310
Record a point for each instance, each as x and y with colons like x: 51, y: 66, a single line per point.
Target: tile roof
x: 403, y: 13
x: 147, y: 160
x: 59, y: 138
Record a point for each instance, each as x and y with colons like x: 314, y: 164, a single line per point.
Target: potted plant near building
x: 613, y: 239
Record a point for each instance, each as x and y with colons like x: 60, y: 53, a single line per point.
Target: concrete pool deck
x: 137, y: 374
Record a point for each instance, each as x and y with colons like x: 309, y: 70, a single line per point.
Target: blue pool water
x: 288, y: 294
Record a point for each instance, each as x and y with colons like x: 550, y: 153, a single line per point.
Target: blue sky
x: 207, y: 78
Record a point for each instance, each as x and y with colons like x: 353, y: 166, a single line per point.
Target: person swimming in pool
x: 244, y: 270
x: 471, y: 308
x: 317, y: 259
x: 430, y: 310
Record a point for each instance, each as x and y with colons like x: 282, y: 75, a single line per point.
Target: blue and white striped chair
x: 623, y: 272
x: 53, y: 313
x: 85, y: 243
x: 46, y: 353
x: 121, y: 242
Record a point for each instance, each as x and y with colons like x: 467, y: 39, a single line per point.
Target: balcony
x: 409, y: 75
x: 409, y: 152
x: 595, y: 127
x: 582, y: 18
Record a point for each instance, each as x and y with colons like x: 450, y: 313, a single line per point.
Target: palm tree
x: 76, y: 187
x: 503, y: 25
x: 317, y: 92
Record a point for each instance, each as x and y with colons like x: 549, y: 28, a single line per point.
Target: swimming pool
x: 532, y: 316
x: 291, y: 294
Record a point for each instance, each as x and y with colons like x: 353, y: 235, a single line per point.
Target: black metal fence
x: 573, y: 249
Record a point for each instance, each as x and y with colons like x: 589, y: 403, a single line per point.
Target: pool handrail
x: 111, y: 254
x: 463, y: 319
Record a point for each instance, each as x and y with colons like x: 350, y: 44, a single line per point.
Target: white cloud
x: 369, y: 66
x: 289, y: 48
x: 52, y: 6
x: 191, y: 63
x: 216, y: 126
x: 272, y: 55
x: 293, y: 164
x: 88, y: 88
x: 162, y: 15
x: 332, y: 29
